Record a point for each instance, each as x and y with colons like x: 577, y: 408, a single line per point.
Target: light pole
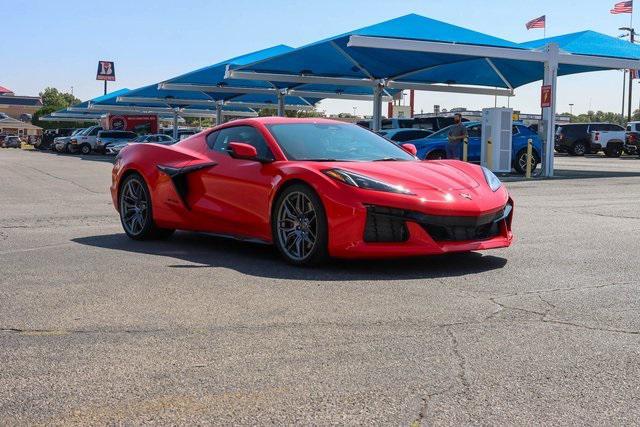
x: 632, y: 35
x: 571, y: 109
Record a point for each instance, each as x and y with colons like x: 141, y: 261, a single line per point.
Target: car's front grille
x: 386, y: 224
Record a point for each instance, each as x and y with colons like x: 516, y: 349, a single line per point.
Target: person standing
x: 457, y: 134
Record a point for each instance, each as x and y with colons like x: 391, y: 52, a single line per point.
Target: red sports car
x: 313, y: 187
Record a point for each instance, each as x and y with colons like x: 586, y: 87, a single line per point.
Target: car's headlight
x: 361, y: 181
x: 493, y: 181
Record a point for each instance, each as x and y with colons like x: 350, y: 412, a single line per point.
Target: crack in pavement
x: 64, y: 179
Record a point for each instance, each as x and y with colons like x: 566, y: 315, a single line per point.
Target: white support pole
x: 281, y: 106
x: 218, y: 113
x: 549, y: 113
x: 175, y: 124
x: 377, y: 108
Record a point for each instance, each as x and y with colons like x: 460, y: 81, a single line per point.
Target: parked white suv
x: 611, y: 140
x: 85, y: 141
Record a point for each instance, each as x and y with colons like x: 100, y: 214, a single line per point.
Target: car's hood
x: 425, y: 175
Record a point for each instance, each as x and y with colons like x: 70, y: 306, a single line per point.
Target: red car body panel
x: 234, y: 197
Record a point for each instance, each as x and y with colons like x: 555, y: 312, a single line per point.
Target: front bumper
x: 375, y: 231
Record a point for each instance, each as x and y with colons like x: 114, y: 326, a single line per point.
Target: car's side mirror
x: 410, y: 148
x: 240, y: 150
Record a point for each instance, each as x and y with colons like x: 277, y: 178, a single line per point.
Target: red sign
x: 545, y: 97
x: 106, y: 71
x: 141, y: 124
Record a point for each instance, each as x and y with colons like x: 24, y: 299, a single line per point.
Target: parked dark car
x: 575, y: 138
x: 12, y: 141
x: 107, y: 138
x: 46, y: 142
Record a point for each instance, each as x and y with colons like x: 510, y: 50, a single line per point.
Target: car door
x: 474, y: 133
x: 235, y: 194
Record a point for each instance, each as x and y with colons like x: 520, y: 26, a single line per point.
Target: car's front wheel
x: 135, y: 210
x: 520, y: 162
x: 299, y: 226
x: 85, y: 149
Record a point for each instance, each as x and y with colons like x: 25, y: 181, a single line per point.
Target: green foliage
x: 599, y: 116
x: 52, y: 97
x: 266, y: 112
x: 54, y: 100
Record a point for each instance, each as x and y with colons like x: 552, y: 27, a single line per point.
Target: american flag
x: 623, y: 7
x: 537, y: 23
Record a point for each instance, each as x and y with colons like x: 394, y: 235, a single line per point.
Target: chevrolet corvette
x: 314, y: 188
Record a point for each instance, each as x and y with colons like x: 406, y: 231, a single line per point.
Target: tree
x: 52, y: 97
x: 54, y: 100
x: 265, y: 112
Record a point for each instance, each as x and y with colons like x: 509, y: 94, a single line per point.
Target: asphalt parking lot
x: 95, y: 328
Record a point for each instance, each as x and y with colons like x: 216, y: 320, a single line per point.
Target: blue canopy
x: 333, y: 57
x: 214, y: 75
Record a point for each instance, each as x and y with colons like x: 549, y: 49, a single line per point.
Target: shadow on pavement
x: 93, y: 156
x: 204, y: 251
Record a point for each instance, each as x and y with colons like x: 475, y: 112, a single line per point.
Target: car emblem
x: 466, y: 196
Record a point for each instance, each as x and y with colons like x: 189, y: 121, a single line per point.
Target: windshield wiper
x: 389, y: 159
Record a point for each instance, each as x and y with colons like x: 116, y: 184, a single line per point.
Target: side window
x: 211, y: 139
x: 246, y: 134
x: 95, y: 132
x: 402, y: 136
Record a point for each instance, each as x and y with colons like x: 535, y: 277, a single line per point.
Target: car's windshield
x: 140, y: 138
x: 77, y: 131
x: 334, y: 142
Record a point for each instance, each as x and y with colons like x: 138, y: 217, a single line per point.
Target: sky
x: 59, y: 43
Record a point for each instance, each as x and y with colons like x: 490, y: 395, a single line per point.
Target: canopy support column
x: 377, y: 108
x: 218, y: 113
x: 175, y: 124
x: 281, y: 109
x: 549, y: 113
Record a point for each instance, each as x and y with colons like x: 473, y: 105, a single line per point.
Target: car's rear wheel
x: 299, y: 226
x: 579, y: 148
x: 436, y: 155
x: 614, y: 149
x: 136, y: 210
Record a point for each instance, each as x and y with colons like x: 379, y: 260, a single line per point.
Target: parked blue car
x: 434, y: 146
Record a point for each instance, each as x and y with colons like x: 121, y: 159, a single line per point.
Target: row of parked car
x: 430, y: 137
x: 99, y: 140
x: 579, y: 139
x: 10, y: 141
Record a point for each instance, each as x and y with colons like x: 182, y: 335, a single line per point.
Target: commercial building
x: 18, y: 107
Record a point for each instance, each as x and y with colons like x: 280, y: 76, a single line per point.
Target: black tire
x: 301, y: 225
x: 436, y: 155
x: 579, y: 148
x: 85, y: 149
x: 614, y: 149
x: 520, y: 161
x: 142, y: 228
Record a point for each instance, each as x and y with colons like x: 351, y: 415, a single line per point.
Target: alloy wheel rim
x: 580, y: 149
x: 134, y: 207
x: 523, y: 162
x: 297, y: 226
